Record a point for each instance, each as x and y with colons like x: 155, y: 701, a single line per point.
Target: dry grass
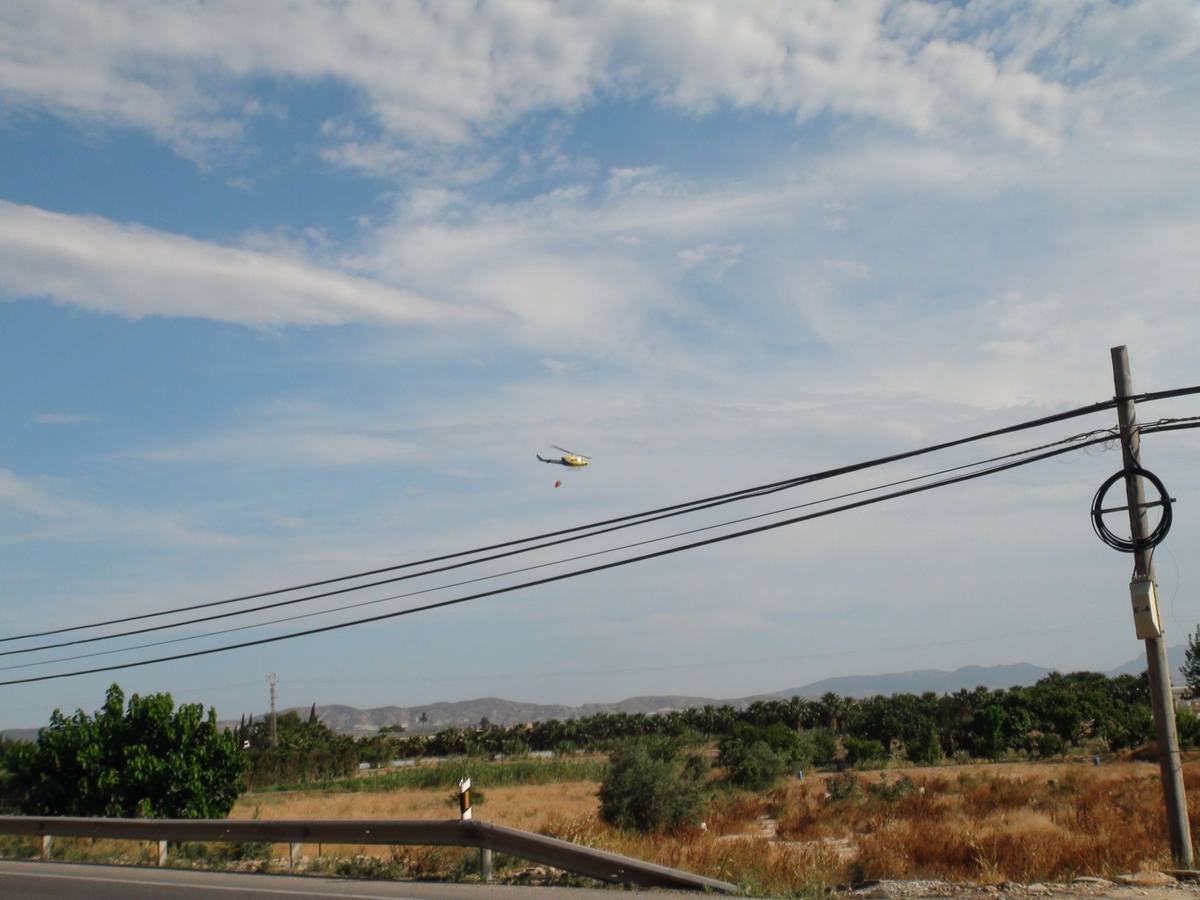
x: 1047, y: 823
x: 527, y: 807
x: 759, y: 864
x: 987, y: 823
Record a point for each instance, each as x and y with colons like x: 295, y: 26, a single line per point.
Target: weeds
x: 483, y: 773
x: 985, y: 827
x: 1023, y: 822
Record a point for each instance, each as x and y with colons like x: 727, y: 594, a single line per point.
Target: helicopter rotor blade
x: 572, y: 452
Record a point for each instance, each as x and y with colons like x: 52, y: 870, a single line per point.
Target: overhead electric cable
x: 702, y: 503
x: 277, y: 604
x: 1160, y: 425
x: 1151, y: 396
x: 667, y: 551
x: 1109, y: 432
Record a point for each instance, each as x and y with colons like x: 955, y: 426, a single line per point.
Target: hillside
x: 497, y: 710
x: 921, y: 680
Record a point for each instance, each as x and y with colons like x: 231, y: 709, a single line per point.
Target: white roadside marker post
x: 464, y: 810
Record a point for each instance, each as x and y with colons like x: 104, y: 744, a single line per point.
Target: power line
x: 1108, y: 433
x: 1151, y: 396
x: 1161, y: 425
x: 631, y: 520
x: 563, y: 576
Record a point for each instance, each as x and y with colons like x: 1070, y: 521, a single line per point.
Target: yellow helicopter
x: 569, y: 458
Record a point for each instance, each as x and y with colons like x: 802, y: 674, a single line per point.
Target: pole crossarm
x: 1146, y: 505
x: 598, y: 864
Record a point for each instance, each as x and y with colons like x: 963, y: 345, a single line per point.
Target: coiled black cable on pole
x: 1129, y: 545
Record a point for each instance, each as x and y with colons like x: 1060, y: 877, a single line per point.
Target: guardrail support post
x: 47, y: 841
x: 162, y: 853
x: 464, y: 811
x: 293, y: 854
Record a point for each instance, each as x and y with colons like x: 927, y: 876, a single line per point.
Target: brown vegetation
x: 1050, y: 823
x: 980, y: 824
x: 985, y: 823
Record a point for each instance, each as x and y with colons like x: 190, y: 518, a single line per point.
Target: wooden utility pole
x: 272, y: 680
x: 1156, y: 646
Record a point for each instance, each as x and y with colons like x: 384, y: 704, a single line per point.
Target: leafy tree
x: 10, y: 751
x: 306, y: 750
x: 1187, y: 724
x: 859, y: 750
x: 825, y: 746
x: 987, y: 725
x: 757, y: 757
x: 1073, y: 708
x: 647, y: 786
x: 1191, y: 665
x: 925, y: 748
x: 149, y: 760
x: 754, y: 766
x: 1049, y: 744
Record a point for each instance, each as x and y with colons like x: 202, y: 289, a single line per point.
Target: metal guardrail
x: 537, y: 848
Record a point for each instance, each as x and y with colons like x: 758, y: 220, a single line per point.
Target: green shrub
x: 648, y: 786
x: 925, y: 748
x: 1050, y: 744
x: 859, y: 751
x: 1187, y: 723
x: 148, y: 759
x: 893, y: 791
x: 824, y: 746
x: 845, y: 786
x: 755, y: 766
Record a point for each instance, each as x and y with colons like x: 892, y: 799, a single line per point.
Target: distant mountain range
x: 921, y: 680
x: 1175, y: 656
x: 351, y: 720
x: 434, y: 716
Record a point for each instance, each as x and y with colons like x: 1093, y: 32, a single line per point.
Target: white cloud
x: 23, y: 496
x: 47, y: 510
x: 547, y: 263
x: 716, y: 258
x: 894, y: 285
x: 445, y: 73
x: 1040, y: 335
x: 50, y: 418
x: 557, y: 366
x: 135, y: 271
x: 850, y: 268
x: 276, y: 449
x: 375, y: 157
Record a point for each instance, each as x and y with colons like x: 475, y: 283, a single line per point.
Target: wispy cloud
x: 50, y: 418
x: 450, y: 74
x: 913, y: 220
x: 48, y: 510
x: 297, y: 447
x: 135, y: 271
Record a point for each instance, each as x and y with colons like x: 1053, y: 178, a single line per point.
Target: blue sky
x: 291, y: 291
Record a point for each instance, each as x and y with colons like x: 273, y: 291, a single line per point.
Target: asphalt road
x: 22, y: 880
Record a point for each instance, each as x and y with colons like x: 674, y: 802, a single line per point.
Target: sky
x: 291, y: 291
